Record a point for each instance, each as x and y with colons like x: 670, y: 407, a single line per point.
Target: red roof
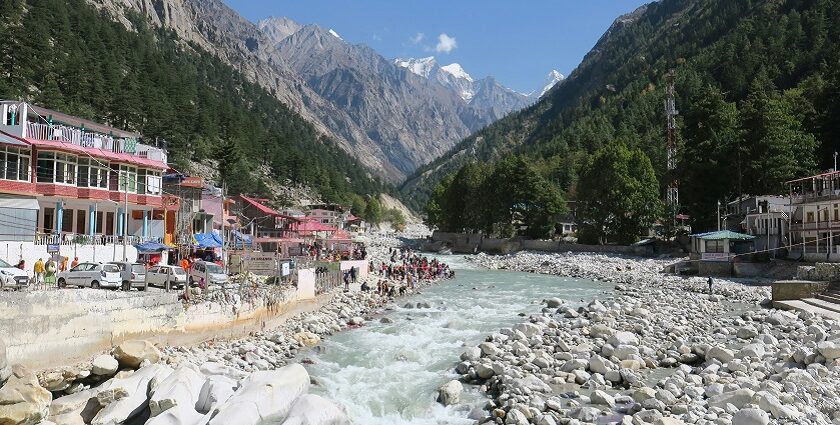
x: 262, y: 208
x: 314, y: 226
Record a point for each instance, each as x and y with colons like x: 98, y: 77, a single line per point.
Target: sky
x: 516, y: 41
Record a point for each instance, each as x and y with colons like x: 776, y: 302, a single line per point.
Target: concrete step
x: 831, y: 297
x: 827, y: 305
x: 801, y: 305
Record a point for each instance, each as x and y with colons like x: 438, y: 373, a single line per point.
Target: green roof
x: 723, y: 234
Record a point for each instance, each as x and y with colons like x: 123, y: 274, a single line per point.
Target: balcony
x: 93, y: 140
x: 80, y: 239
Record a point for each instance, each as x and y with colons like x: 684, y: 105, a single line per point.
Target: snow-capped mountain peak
x: 335, y: 34
x: 422, y: 67
x: 456, y: 71
x: 551, y: 80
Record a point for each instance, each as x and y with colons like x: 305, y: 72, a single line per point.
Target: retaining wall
x: 786, y: 290
x: 48, y: 328
x: 472, y: 242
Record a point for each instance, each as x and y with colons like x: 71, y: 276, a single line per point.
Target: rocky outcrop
x: 23, y: 401
x: 5, y: 367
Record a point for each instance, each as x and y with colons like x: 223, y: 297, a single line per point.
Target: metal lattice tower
x: 672, y: 193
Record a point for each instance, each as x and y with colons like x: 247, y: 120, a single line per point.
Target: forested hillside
x: 757, y: 88
x: 64, y: 54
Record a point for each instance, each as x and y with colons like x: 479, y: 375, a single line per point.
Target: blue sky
x: 518, y: 42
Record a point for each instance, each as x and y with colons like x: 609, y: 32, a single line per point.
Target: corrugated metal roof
x: 8, y: 139
x: 723, y: 234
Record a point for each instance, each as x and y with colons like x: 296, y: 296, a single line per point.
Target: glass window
x: 45, y: 167
x: 14, y: 164
x: 128, y: 176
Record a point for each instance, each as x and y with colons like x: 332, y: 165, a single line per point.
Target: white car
x: 93, y: 275
x: 12, y: 277
x: 158, y: 276
x: 212, y: 273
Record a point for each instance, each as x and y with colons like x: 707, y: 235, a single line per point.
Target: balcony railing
x: 717, y: 256
x: 66, y: 134
x: 80, y: 239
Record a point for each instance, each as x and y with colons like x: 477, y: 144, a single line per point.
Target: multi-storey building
x: 68, y: 180
x: 815, y: 221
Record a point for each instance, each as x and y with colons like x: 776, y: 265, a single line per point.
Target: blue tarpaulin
x: 151, y: 247
x: 241, y: 240
x: 208, y: 240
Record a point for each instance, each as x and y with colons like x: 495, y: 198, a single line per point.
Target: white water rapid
x: 388, y: 374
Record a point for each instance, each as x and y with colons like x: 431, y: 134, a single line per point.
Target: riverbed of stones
x: 655, y: 349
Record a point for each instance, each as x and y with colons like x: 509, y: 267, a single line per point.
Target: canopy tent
x: 208, y: 240
x: 148, y: 247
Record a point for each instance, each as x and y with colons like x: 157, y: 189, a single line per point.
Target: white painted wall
x: 306, y: 284
x: 12, y: 252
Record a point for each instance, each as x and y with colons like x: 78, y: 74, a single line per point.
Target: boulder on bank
x: 132, y: 353
x: 5, y: 367
x: 104, y: 365
x: 22, y: 399
x: 450, y: 393
x: 310, y: 409
x: 263, y: 397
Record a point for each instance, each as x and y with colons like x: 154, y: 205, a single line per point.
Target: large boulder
x: 104, y: 365
x: 720, y: 354
x: 132, y: 353
x: 750, y: 417
x: 310, y: 409
x: 623, y: 338
x: 23, y: 401
x: 264, y: 397
x: 738, y: 398
x: 75, y: 409
x: 179, y: 390
x: 125, y: 398
x: 450, y: 393
x: 215, y: 391
x: 306, y: 339
x: 829, y: 349
x: 5, y: 367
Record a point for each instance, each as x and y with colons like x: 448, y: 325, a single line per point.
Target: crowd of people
x: 339, y: 252
x: 405, y: 270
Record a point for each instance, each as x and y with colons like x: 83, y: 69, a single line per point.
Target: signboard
x: 286, y: 269
x: 261, y: 263
x: 53, y: 248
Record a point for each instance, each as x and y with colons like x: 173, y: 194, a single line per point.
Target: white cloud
x: 417, y: 38
x: 445, y: 43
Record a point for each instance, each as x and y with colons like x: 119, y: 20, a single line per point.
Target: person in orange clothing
x: 74, y: 263
x: 185, y: 264
x: 63, y: 265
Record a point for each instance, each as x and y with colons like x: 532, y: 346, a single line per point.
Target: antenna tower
x: 672, y: 193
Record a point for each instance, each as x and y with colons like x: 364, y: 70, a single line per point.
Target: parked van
x: 133, y: 275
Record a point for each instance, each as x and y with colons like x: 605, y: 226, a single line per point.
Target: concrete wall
x: 714, y: 268
x: 362, y: 267
x: 786, y: 290
x: 471, y: 242
x: 58, y: 327
x: 12, y: 252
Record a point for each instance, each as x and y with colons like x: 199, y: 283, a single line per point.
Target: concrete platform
x: 812, y: 305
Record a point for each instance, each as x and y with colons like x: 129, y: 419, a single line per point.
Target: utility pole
x: 125, y: 220
x: 835, y: 160
x: 672, y: 197
x: 718, y: 217
x: 224, y: 235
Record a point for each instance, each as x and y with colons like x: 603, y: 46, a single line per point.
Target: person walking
x: 710, y: 285
x: 39, y: 271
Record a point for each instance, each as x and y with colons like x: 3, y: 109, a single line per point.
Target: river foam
x: 388, y: 373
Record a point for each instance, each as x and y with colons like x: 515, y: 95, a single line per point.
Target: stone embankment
x: 658, y: 350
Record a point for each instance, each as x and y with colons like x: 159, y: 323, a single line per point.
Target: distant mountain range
x: 391, y: 118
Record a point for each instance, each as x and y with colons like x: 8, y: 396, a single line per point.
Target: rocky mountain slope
x: 755, y: 79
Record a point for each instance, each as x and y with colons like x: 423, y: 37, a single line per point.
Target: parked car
x: 12, y: 277
x: 158, y: 276
x: 133, y: 275
x: 93, y: 275
x: 212, y: 273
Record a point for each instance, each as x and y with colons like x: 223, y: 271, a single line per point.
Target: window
x: 14, y: 163
x: 714, y: 246
x: 93, y: 173
x: 54, y: 167
x: 128, y: 176
x: 809, y: 217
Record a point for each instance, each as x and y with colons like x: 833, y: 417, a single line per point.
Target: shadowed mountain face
x: 392, y: 120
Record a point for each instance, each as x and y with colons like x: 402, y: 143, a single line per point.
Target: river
x: 388, y: 374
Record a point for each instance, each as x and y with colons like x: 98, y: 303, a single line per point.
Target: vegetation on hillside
x: 66, y: 55
x: 757, y: 88
x: 504, y: 200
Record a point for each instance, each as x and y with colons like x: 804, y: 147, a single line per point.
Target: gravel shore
x: 659, y: 349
